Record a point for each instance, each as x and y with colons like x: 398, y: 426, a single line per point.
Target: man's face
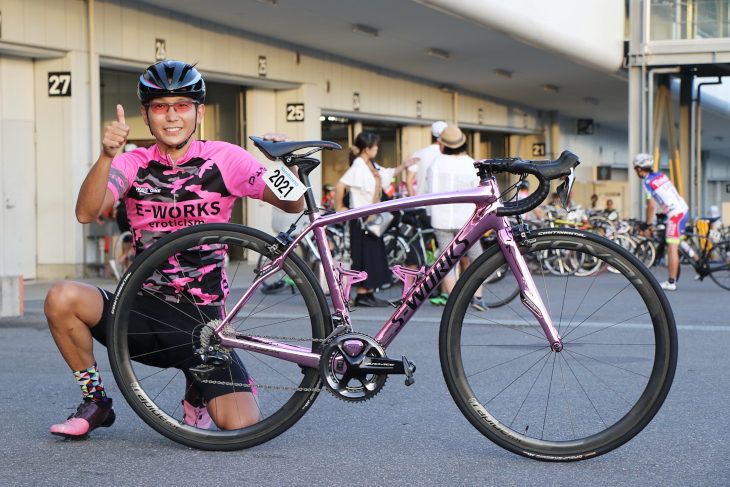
x: 640, y: 172
x: 172, y: 124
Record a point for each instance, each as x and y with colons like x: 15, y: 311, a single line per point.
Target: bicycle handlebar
x: 543, y: 170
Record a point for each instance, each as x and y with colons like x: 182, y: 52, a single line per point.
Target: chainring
x: 338, y: 368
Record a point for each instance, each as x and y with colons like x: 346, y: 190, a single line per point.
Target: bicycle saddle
x: 279, y: 149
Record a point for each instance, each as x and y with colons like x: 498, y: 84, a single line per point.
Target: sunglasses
x: 180, y: 107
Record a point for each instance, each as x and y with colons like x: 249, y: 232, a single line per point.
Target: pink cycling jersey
x: 200, y: 187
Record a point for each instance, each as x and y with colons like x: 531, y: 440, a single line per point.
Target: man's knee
x: 68, y: 299
x: 59, y: 300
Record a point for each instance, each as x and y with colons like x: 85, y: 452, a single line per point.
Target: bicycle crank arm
x: 375, y: 365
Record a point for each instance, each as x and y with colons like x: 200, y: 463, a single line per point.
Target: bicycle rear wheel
x: 153, y: 375
x: 603, y: 388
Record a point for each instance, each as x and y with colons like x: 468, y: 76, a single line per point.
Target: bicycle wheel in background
x: 121, y: 265
x: 721, y: 254
x: 603, y: 388
x: 149, y: 374
x: 500, y: 287
x: 397, y: 252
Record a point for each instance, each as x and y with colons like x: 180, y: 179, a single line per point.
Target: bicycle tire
x: 151, y: 391
x: 607, y: 403
x: 721, y: 277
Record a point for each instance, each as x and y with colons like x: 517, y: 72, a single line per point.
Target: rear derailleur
x: 213, y: 355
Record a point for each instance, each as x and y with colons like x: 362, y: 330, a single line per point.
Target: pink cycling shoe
x: 88, y: 416
x: 196, y: 416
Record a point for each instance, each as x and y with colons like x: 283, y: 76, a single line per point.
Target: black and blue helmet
x: 171, y: 78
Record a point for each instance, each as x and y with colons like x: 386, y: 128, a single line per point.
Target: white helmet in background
x: 644, y: 161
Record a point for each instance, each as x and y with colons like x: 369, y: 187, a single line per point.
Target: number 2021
x: 281, y: 183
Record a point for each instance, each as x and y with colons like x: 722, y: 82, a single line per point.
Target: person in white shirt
x: 425, y: 156
x: 453, y: 170
x: 366, y: 180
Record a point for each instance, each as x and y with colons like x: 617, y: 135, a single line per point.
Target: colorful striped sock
x: 90, y: 383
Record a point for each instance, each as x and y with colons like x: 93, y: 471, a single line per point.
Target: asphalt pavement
x: 404, y: 436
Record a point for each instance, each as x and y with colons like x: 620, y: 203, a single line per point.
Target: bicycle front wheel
x: 603, y: 388
x: 159, y: 317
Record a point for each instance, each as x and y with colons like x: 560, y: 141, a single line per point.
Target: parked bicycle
x: 582, y: 369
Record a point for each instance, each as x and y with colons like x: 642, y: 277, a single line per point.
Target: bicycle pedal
x: 409, y: 368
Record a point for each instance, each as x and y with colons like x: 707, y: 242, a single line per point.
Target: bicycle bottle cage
x: 409, y: 277
x: 348, y: 277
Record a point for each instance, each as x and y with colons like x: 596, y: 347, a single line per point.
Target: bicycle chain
x: 297, y: 389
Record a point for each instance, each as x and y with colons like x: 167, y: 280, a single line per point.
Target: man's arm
x: 94, y: 197
x: 410, y: 178
x: 339, y: 195
x: 650, y: 210
x: 287, y: 206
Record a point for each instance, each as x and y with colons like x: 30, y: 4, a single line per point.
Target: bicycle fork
x: 529, y: 295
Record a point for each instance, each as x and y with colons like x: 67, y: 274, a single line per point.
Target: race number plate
x: 283, y: 183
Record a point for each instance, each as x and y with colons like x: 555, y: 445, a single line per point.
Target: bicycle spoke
x: 610, y: 365
x: 606, y: 328
x: 168, y: 383
x: 517, y: 378
x: 580, y: 304
x: 547, y: 403
x: 602, y: 381
x: 506, y: 326
x: 596, y: 311
x: 565, y: 388
x: 503, y: 363
x: 179, y: 330
x: 531, y: 387
x: 586, y: 393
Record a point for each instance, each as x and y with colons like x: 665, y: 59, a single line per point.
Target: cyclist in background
x: 328, y: 199
x: 177, y: 182
x: 657, y: 186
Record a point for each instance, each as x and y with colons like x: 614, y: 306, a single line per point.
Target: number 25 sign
x: 59, y: 84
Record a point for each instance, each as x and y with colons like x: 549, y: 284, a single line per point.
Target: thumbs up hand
x: 115, y: 135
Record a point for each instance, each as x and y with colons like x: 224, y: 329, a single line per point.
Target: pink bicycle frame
x: 486, y: 197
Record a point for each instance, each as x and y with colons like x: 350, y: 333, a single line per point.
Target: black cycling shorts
x: 153, y: 344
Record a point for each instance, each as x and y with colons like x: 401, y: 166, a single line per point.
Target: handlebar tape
x: 544, y: 171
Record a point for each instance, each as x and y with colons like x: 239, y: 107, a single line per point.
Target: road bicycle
x: 578, y: 370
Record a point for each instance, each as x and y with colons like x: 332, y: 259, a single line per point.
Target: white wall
x: 17, y: 169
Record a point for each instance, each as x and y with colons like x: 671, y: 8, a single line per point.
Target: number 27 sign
x: 59, y: 84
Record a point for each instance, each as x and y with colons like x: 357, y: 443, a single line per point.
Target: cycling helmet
x: 171, y: 78
x: 644, y: 161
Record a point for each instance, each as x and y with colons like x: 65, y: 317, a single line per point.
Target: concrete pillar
x: 260, y: 119
x: 635, y: 100
x: 685, y: 139
x: 414, y: 137
x: 11, y: 296
x: 477, y: 146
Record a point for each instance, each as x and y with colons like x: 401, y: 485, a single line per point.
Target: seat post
x: 305, y: 166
